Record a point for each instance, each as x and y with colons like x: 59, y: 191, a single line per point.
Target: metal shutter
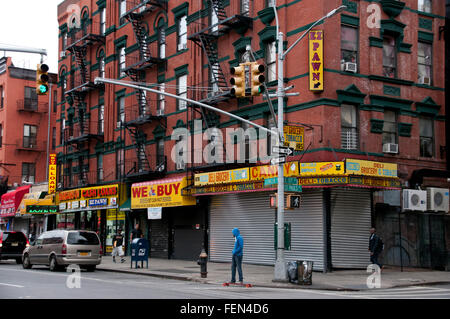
x: 255, y: 219
x: 307, y: 229
x: 350, y: 224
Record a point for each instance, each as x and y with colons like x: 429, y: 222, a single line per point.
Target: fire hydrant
x: 202, y: 261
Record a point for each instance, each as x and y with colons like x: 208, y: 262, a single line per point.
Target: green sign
x: 287, y: 181
x: 42, y: 209
x: 293, y: 188
x: 287, y: 236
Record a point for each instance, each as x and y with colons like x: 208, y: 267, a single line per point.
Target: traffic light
x: 238, y: 81
x: 257, y: 79
x: 42, y: 79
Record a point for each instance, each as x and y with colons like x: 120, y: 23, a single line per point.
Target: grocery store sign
x: 162, y: 193
x: 322, y: 168
x: 294, y: 137
x: 369, y: 168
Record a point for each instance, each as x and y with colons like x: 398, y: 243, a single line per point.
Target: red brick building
x: 382, y: 100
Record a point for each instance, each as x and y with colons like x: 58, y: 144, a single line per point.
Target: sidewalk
x: 261, y: 276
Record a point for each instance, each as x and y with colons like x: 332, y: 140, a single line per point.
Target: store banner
x: 369, y: 168
x: 99, y: 197
x: 323, y: 180
x: 322, y: 168
x: 262, y: 172
x: 294, y: 137
x: 316, y: 76
x: 52, y: 174
x: 222, y: 177
x: 161, y: 193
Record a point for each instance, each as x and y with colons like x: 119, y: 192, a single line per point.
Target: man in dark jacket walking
x: 238, y: 252
x: 375, y: 247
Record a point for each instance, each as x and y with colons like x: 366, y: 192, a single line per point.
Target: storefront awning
x: 11, y: 201
x: 126, y: 206
x: 40, y: 205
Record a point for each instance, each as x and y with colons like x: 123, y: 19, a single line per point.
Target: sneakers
x: 114, y: 260
x: 123, y: 260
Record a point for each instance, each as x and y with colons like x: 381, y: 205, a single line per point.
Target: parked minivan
x: 12, y: 244
x: 60, y: 248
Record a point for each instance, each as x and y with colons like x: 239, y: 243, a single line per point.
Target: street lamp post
x: 280, y: 264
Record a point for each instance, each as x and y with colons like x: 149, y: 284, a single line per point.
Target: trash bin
x: 304, y: 272
x: 139, y: 252
x: 292, y: 272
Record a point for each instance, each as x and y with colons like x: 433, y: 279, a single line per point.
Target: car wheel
x: 26, y: 262
x: 53, y: 264
x: 18, y: 260
x: 90, y: 268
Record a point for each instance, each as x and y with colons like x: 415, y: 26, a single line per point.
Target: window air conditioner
x: 414, y: 200
x: 425, y: 80
x: 350, y: 67
x: 182, y: 46
x: 390, y: 148
x: 62, y: 54
x: 437, y: 199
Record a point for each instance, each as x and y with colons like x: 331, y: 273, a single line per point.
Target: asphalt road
x: 40, y: 283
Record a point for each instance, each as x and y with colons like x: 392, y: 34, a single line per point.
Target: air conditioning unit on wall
x: 390, y: 148
x: 425, y: 80
x: 437, y: 199
x: 350, y: 67
x: 414, y: 200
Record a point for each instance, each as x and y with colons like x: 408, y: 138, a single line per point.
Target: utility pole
x: 280, y: 273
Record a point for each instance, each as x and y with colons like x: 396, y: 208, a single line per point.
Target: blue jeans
x: 236, y: 262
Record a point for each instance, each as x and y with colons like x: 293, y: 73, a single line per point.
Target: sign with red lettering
x: 52, y: 174
x: 316, y: 60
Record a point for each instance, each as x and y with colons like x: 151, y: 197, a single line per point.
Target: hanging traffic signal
x: 238, y: 81
x: 42, y: 79
x: 257, y: 79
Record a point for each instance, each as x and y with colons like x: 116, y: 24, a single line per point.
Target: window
x: 160, y: 159
x: 28, y: 172
x: 214, y: 20
x: 425, y: 66
x: 180, y: 153
x: 271, y: 61
x: 100, y: 167
x: 120, y: 112
x: 390, y: 127
x: 29, y: 136
x: 162, y: 42
x: 122, y: 61
x: 182, y: 33
x: 120, y: 163
x: 2, y: 96
x: 1, y: 135
x: 103, y: 21
x: 182, y: 91
x: 31, y: 99
x: 271, y: 138
x: 61, y: 132
x: 349, y: 127
x: 245, y: 126
x: 102, y: 64
x: 214, y: 77
x: 245, y: 7
x: 349, y: 45
x: 122, y: 10
x: 101, y: 119
x: 161, y: 99
x: 426, y: 137
x: 55, y: 101
x: 64, y: 46
x: 424, y: 5
x: 54, y: 138
x: 69, y: 172
x: 389, y: 57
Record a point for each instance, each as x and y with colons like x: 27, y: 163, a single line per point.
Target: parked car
x: 61, y: 248
x: 12, y: 244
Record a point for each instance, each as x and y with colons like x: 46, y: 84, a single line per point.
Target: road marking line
x: 10, y: 285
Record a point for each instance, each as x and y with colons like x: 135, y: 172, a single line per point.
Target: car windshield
x: 82, y: 238
x: 13, y: 237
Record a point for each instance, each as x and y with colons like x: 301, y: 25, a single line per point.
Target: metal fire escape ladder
x: 143, y: 164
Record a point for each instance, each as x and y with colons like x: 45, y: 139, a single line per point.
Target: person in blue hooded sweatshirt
x: 238, y: 252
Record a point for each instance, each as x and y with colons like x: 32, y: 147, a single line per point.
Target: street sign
x: 287, y: 181
x: 278, y: 160
x: 283, y: 150
x: 293, y: 188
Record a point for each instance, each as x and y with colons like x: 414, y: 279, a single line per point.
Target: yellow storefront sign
x: 322, y: 168
x: 268, y: 171
x: 52, y: 174
x: 293, y: 137
x: 222, y: 177
x: 369, y: 168
x: 316, y: 60
x: 162, y: 193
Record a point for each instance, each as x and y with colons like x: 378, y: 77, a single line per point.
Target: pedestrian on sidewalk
x: 118, y: 246
x: 238, y: 252
x: 375, y: 247
x: 136, y: 233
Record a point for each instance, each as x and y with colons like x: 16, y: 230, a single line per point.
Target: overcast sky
x: 30, y: 23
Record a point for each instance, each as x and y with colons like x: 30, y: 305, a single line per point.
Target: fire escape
x: 78, y: 135
x: 140, y: 114
x: 206, y: 36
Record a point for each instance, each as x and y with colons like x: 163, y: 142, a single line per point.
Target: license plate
x: 15, y: 244
x: 83, y: 254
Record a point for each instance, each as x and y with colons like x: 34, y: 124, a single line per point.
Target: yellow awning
x: 32, y: 200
